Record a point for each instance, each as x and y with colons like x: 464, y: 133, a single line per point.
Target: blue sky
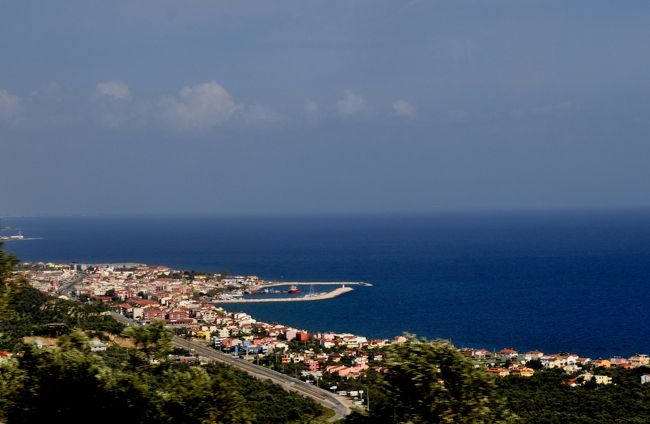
x: 139, y: 107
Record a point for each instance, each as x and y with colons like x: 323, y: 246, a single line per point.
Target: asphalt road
x: 69, y: 286
x: 323, y: 397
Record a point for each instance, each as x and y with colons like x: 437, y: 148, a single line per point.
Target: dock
x: 307, y: 298
x: 314, y: 283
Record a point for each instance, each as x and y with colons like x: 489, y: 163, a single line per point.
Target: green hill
x: 70, y: 383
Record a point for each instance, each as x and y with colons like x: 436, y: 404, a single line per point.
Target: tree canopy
x: 434, y: 383
x: 7, y: 263
x: 154, y: 339
x: 71, y: 383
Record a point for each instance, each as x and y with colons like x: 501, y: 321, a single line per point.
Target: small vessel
x: 311, y: 292
x: 293, y: 289
x: 18, y: 236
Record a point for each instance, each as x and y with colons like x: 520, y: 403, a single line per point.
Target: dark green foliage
x: 544, y: 399
x: 154, y: 340
x: 28, y: 312
x: 72, y: 384
x: 53, y: 379
x: 268, y: 402
x: 7, y: 263
x: 25, y: 311
x: 432, y: 382
x: 69, y: 383
x: 406, y: 394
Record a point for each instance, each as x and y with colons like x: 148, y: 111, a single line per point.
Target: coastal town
x: 189, y: 303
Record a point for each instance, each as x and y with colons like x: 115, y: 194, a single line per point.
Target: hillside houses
x: 184, y: 300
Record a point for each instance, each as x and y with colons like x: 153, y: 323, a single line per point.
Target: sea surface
x: 554, y: 281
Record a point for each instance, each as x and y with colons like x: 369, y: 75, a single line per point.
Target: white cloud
x: 351, y: 104
x: 199, y: 107
x: 312, y: 111
x: 9, y: 105
x: 404, y: 109
x: 256, y: 115
x: 112, y: 101
x: 114, y: 90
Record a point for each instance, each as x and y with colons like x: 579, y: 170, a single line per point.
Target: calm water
x: 551, y: 281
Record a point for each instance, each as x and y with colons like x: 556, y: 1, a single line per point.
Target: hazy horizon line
x: 306, y: 214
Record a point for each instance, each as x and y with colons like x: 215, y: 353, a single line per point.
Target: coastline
x: 153, y: 275
x: 521, y: 287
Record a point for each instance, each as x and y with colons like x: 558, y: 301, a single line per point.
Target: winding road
x: 323, y: 397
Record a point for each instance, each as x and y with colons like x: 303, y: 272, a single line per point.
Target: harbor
x: 314, y: 283
x: 306, y: 298
x: 268, y: 288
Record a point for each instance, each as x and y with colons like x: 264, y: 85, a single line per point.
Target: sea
x: 570, y: 281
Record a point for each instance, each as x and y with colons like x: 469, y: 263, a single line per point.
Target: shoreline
x: 325, y: 296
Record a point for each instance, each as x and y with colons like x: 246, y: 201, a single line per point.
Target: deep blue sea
x: 555, y: 281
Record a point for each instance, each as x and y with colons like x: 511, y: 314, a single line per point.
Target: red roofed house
x: 151, y: 314
x: 508, y: 353
x: 619, y: 362
x: 302, y: 336
x: 178, y: 314
x: 310, y: 365
x: 501, y: 372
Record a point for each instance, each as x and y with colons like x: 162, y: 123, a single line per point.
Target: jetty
x: 307, y: 298
x: 314, y: 283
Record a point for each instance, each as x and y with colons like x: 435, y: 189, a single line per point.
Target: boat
x: 293, y: 289
x: 311, y: 292
x: 18, y: 236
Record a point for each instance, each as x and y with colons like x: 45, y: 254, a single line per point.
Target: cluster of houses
x: 345, y: 355
x: 47, y: 277
x: 128, y: 281
x: 507, y: 362
x: 147, y: 293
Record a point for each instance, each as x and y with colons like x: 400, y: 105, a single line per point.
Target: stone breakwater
x: 321, y: 296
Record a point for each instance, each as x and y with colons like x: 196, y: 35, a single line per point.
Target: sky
x: 209, y: 107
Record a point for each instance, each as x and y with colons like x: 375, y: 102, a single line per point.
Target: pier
x: 307, y: 298
x: 344, y: 288
x: 315, y: 283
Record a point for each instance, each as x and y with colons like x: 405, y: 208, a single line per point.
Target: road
x: 323, y: 397
x: 67, y: 287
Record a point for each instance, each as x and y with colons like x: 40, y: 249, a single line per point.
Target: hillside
x: 153, y: 383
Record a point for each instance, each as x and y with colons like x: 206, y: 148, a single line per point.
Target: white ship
x: 18, y: 236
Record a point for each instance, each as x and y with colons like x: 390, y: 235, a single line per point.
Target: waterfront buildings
x: 185, y: 301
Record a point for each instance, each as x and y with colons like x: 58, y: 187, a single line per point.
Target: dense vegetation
x: 431, y: 382
x: 70, y: 383
x: 428, y: 382
x: 544, y: 398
